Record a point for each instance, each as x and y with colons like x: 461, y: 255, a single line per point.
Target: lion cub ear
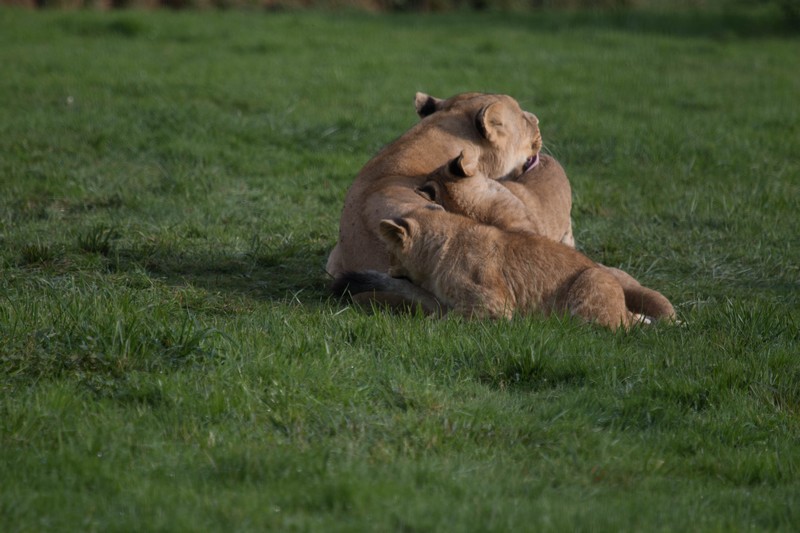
x: 490, y: 121
x: 426, y: 104
x: 395, y: 232
x: 429, y: 190
x: 464, y: 166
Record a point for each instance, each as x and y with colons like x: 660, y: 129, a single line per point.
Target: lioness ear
x: 463, y: 166
x: 394, y: 232
x: 426, y: 104
x: 489, y: 121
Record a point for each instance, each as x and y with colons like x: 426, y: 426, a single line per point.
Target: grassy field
x: 170, y: 360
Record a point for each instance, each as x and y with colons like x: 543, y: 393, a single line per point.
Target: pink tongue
x: 532, y: 164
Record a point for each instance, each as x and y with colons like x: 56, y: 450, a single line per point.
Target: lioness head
x: 500, y: 121
x: 509, y: 137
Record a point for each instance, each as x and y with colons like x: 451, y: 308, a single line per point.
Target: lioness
x: 544, y: 192
x: 505, y: 139
x: 477, y: 270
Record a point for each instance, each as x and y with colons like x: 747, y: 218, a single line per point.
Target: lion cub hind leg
x: 596, y: 296
x: 643, y: 300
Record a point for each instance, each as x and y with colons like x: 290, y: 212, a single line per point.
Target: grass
x: 169, y: 357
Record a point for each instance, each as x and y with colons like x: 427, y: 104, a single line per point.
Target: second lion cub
x: 460, y: 188
x: 539, y: 200
x: 479, y: 271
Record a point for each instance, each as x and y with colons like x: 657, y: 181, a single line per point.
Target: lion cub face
x: 456, y: 185
x: 448, y: 255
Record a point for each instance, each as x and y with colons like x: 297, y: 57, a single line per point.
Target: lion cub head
x: 459, y: 187
x: 509, y: 139
x: 412, y: 242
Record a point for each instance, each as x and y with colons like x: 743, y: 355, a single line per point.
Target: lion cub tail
x: 371, y: 288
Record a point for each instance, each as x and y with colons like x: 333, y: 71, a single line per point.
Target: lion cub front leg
x: 480, y: 311
x: 596, y: 296
x: 479, y: 302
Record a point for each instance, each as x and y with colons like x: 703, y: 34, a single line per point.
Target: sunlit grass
x: 170, y: 359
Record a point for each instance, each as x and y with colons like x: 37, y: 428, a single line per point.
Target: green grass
x: 170, y: 360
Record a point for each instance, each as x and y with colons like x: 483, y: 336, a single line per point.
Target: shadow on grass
x: 288, y: 271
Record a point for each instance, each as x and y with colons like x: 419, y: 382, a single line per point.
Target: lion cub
x: 480, y: 271
x: 460, y: 188
x: 508, y: 205
x: 543, y: 190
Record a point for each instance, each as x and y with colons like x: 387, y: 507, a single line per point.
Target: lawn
x: 170, y: 359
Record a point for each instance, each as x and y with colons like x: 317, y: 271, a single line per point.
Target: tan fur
x: 539, y: 201
x: 460, y: 188
x: 547, y: 196
x: 479, y: 271
x: 500, y: 133
x: 544, y: 190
